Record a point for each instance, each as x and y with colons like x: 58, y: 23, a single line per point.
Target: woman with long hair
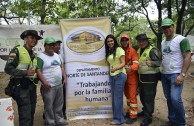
x: 115, y: 56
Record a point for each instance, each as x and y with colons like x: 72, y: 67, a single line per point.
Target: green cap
x: 167, y: 22
x: 49, y: 40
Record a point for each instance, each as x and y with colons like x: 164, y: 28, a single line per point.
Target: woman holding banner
x: 115, y: 56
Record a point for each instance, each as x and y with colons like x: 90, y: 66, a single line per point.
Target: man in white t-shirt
x: 50, y: 72
x: 176, y: 59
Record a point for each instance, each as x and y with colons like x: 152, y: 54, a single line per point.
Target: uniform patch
x: 10, y: 59
x: 12, y: 54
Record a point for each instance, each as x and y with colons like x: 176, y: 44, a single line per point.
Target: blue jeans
x: 117, y: 90
x: 172, y: 93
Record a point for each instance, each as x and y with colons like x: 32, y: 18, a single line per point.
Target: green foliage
x: 125, y: 15
x: 20, y: 8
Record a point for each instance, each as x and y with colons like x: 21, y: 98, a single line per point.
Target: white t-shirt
x: 51, y: 68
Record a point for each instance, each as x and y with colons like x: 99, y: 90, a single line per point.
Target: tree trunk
x: 192, y: 26
x: 180, y: 17
x: 159, y: 34
x: 43, y: 13
x: 169, y: 9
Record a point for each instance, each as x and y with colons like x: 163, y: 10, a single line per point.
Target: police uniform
x: 148, y: 78
x: 19, y: 61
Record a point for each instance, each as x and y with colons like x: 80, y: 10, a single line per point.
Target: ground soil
x: 159, y: 116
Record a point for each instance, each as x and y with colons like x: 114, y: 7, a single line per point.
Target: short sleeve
x: 185, y: 45
x: 121, y: 52
x: 40, y: 63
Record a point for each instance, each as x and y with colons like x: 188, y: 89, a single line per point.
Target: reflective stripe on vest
x: 144, y: 69
x: 133, y: 105
x: 25, y: 61
x: 133, y: 112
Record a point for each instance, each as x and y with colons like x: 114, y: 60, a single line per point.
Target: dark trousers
x: 147, y: 93
x: 26, y: 102
x: 64, y: 104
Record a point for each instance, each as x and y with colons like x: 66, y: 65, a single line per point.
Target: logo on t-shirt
x: 167, y: 50
x: 55, y: 62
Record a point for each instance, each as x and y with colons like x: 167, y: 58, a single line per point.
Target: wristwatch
x: 183, y: 74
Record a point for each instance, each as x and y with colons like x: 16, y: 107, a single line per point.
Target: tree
x: 181, y: 16
x: 6, y: 13
x: 124, y: 15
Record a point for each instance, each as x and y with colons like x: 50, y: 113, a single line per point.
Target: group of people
x: 131, y: 69
x: 25, y: 66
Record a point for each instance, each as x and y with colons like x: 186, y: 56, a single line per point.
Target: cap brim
x: 47, y: 43
x: 124, y: 37
x: 166, y: 25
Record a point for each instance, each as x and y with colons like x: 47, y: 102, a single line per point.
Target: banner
x: 6, y: 112
x: 88, y: 93
x: 10, y: 37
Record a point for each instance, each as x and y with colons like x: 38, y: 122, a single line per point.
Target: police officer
x: 149, y: 63
x: 21, y: 65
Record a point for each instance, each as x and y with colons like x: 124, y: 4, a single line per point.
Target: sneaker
x: 130, y: 121
x: 126, y: 115
x: 146, y: 122
x: 140, y: 114
x: 113, y: 123
x: 64, y: 124
x: 168, y: 123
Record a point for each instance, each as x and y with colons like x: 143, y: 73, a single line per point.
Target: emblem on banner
x: 85, y: 40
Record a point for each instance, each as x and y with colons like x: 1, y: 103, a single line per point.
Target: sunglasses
x: 110, y: 41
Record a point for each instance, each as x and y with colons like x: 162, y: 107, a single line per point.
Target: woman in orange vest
x: 132, y: 65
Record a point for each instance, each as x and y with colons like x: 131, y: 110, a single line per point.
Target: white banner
x: 6, y: 112
x: 88, y: 87
x: 10, y: 37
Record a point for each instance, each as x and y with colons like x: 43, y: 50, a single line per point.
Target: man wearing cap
x: 176, y: 59
x: 50, y: 73
x: 149, y: 63
x: 130, y: 90
x: 57, y: 47
x: 21, y: 65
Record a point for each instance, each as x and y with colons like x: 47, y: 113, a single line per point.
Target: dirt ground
x: 159, y: 116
